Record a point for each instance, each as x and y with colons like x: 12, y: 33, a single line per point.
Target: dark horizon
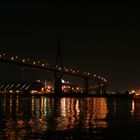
x: 98, y: 38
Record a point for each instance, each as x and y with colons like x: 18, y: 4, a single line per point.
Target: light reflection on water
x: 31, y: 116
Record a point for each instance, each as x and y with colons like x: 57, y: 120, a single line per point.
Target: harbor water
x: 40, y: 118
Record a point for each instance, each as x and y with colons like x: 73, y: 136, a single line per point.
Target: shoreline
x: 71, y: 95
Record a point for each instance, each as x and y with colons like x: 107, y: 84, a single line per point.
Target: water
x: 39, y: 118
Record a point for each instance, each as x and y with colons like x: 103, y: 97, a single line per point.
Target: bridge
x: 59, y: 70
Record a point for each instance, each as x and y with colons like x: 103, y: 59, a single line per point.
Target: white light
x: 38, y: 81
x: 62, y: 81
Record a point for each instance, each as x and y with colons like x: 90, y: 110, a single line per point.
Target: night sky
x: 99, y: 38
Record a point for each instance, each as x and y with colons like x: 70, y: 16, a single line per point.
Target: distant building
x: 21, y: 87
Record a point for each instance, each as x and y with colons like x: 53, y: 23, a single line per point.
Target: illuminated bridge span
x: 101, y: 82
x: 38, y: 64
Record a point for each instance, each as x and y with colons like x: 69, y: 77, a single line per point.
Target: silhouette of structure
x: 86, y: 85
x: 100, y: 83
x: 58, y: 63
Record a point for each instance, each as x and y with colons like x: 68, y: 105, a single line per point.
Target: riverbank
x: 72, y: 95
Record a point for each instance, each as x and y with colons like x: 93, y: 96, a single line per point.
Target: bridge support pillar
x: 86, y: 85
x: 98, y: 90
x: 104, y: 89
x: 58, y: 83
x: 101, y: 90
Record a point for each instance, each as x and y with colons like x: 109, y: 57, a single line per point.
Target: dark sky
x: 102, y: 38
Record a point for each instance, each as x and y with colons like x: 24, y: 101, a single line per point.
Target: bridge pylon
x: 86, y: 91
x: 59, y: 63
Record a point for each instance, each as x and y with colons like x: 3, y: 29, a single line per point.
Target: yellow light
x: 49, y: 87
x: 11, y: 91
x: 33, y: 91
x: 133, y: 91
x: 17, y: 91
x: 77, y: 88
